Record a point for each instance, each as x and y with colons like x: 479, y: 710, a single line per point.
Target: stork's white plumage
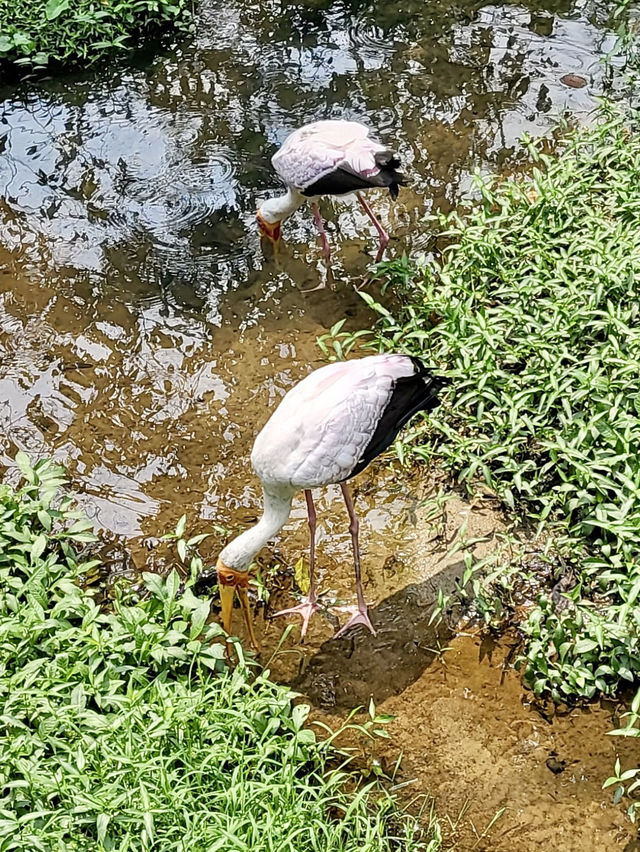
x: 326, y: 429
x: 316, y: 150
x: 329, y: 158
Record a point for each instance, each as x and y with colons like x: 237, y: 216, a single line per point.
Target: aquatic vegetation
x: 533, y: 311
x: 123, y: 728
x: 80, y: 31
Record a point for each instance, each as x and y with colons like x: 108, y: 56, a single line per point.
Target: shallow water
x: 144, y: 335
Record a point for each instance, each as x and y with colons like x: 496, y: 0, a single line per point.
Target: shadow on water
x: 144, y: 335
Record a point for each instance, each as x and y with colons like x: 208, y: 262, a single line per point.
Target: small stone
x: 555, y: 764
x: 574, y: 81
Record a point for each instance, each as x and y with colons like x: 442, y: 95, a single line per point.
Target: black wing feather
x: 411, y: 394
x: 342, y: 180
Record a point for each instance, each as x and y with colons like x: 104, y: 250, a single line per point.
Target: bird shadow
x: 349, y: 671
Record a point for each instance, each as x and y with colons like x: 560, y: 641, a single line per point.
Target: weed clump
x: 125, y: 730
x: 34, y: 33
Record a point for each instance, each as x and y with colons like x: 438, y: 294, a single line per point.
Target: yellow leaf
x: 301, y: 576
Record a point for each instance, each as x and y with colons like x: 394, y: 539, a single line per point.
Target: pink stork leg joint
x: 383, y: 235
x: 361, y: 614
x: 326, y: 248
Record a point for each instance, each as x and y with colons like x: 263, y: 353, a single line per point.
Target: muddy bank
x: 472, y: 739
x: 503, y: 770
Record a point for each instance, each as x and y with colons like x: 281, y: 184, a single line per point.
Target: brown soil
x: 474, y: 741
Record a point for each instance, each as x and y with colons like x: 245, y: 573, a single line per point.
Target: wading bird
x: 326, y: 429
x: 329, y: 158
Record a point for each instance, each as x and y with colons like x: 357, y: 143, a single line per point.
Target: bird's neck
x: 239, y: 553
x: 276, y: 209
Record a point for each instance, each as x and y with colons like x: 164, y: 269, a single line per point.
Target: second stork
x: 327, y: 429
x: 330, y: 158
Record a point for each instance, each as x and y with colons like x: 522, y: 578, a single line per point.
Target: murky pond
x: 144, y: 336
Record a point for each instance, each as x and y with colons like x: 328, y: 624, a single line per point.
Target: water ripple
x: 374, y: 46
x: 177, y: 201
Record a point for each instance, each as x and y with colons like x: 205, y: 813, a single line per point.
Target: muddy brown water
x: 144, y: 336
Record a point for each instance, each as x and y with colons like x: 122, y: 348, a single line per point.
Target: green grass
x: 72, y: 32
x: 533, y: 311
x: 124, y: 729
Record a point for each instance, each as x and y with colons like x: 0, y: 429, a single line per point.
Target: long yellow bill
x: 231, y: 581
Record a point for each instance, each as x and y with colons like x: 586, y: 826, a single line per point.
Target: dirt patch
x: 470, y: 735
x: 405, y: 566
x: 505, y: 771
x: 475, y: 741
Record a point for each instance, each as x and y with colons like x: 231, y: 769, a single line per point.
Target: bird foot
x: 328, y: 284
x: 330, y: 281
x: 321, y: 286
x: 360, y: 617
x: 306, y: 609
x: 368, y: 279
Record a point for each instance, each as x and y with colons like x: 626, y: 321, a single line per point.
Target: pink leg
x: 384, y: 236
x: 360, y: 616
x: 308, y: 607
x: 326, y: 248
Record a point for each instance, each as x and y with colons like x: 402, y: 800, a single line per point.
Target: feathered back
x: 335, y: 158
x: 411, y: 394
x: 335, y: 421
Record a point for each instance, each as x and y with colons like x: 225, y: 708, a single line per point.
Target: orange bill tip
x: 271, y: 230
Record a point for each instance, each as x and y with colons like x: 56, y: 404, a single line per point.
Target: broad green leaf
x: 54, y: 8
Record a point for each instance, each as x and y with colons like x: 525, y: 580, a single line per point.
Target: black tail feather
x: 342, y: 181
x: 387, y: 158
x: 389, y: 162
x: 411, y: 394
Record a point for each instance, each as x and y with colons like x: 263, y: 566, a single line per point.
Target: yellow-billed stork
x: 325, y: 430
x: 330, y: 158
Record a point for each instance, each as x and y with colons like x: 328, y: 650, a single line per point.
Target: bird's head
x: 269, y: 221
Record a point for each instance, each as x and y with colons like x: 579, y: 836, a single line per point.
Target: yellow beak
x: 231, y: 581
x: 227, y: 594
x: 271, y: 230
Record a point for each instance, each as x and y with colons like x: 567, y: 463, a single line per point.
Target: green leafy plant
x: 532, y: 311
x: 124, y: 729
x: 82, y: 31
x: 622, y: 778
